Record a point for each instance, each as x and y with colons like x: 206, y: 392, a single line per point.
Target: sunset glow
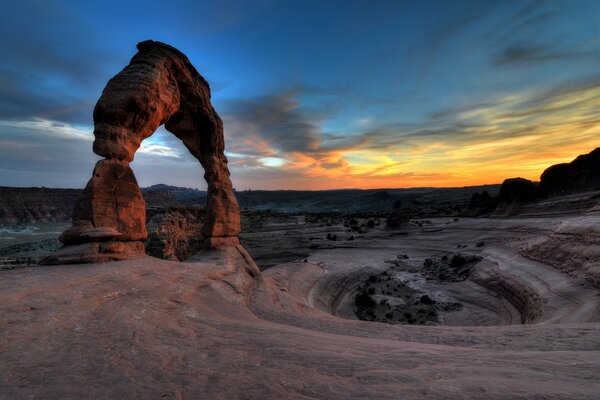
x: 473, y: 93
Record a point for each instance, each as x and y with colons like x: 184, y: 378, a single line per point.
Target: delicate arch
x: 159, y: 86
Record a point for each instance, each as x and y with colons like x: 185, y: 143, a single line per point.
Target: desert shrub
x: 457, y: 261
x: 429, y: 262
x: 427, y: 300
x: 364, y: 300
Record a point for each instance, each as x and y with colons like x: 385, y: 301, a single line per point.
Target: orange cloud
x: 515, y: 134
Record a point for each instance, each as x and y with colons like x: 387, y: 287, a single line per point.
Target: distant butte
x: 159, y: 86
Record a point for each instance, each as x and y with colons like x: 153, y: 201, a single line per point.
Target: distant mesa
x: 159, y: 86
x: 580, y: 175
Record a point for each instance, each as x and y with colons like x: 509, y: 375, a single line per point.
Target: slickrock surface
x: 214, y: 327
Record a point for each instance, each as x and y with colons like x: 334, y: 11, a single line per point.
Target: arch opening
x: 158, y: 87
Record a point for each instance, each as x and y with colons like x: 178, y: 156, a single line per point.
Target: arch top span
x: 158, y: 87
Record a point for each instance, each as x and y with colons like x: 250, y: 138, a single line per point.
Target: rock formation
x: 580, y: 175
x: 159, y: 86
x: 481, y: 204
x: 397, y: 217
x: 174, y: 233
x: 517, y: 189
x: 513, y: 192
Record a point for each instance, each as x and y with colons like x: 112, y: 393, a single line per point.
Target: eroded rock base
x: 96, y: 252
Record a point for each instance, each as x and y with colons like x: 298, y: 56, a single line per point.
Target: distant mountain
x: 426, y: 201
x: 174, y: 195
x: 28, y: 205
x: 170, y: 188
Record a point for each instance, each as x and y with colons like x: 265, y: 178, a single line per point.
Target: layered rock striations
x: 33, y: 205
x: 159, y: 86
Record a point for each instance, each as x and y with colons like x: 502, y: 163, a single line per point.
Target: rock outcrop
x: 397, y: 217
x: 517, y: 189
x: 513, y: 192
x: 481, y: 204
x: 580, y: 175
x: 174, y: 233
x: 159, y: 86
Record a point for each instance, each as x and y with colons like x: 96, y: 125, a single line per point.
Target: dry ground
x: 214, y: 328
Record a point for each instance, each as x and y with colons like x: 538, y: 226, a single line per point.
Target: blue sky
x: 314, y: 95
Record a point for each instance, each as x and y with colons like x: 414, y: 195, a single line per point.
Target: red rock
x: 174, y: 233
x: 111, y: 206
x: 159, y: 86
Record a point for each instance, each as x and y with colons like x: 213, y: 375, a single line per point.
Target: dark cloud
x: 528, y: 36
x: 277, y: 119
x: 45, y: 151
x: 529, y: 53
x: 25, y: 96
x: 53, y: 66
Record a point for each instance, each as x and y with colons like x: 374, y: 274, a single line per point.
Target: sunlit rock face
x: 159, y: 86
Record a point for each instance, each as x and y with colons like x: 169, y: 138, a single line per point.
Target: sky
x: 314, y: 94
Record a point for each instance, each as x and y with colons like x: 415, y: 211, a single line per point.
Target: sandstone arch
x: 159, y: 86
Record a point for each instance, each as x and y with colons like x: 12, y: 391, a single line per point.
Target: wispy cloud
x: 527, y: 53
x: 458, y: 93
x: 518, y: 133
